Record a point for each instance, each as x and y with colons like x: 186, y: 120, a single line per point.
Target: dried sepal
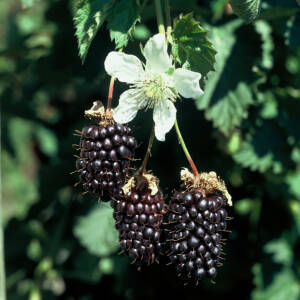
x: 206, y: 183
x: 98, y: 112
x: 140, y: 182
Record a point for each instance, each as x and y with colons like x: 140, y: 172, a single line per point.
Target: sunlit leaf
x: 263, y: 150
x: 47, y: 141
x: 141, y: 32
x: 265, y: 30
x: 96, y: 231
x: 292, y: 33
x: 244, y: 206
x: 89, y: 17
x: 247, y: 10
x: 293, y: 180
x: 230, y: 110
x: 283, y: 286
x: 28, y: 3
x: 269, y: 105
x: 19, y: 184
x: 191, y: 46
x: 281, y: 250
x: 227, y: 93
x: 121, y: 21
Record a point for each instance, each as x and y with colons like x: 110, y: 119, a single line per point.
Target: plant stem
x: 185, y: 150
x: 2, y: 263
x: 110, y: 92
x: 161, y: 29
x: 168, y: 20
x: 144, y: 164
x: 159, y: 16
x: 143, y: 6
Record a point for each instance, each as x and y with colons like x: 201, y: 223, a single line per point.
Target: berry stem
x: 110, y: 92
x: 159, y: 16
x: 145, y: 161
x: 185, y: 150
x: 180, y: 138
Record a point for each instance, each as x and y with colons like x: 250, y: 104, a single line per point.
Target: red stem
x: 110, y: 92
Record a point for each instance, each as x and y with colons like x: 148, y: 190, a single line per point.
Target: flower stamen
x: 154, y: 88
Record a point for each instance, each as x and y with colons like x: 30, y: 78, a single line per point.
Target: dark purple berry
x: 196, y: 225
x: 104, y: 158
x: 144, y: 221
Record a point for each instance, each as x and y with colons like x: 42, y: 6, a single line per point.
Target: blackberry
x: 197, y: 220
x: 138, y: 212
x: 105, y: 154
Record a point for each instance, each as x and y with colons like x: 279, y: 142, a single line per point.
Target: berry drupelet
x: 106, y: 151
x: 197, y: 220
x: 138, y: 212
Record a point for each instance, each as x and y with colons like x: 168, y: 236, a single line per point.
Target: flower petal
x: 127, y: 68
x: 155, y: 51
x: 129, y: 103
x: 164, y: 115
x: 187, y: 83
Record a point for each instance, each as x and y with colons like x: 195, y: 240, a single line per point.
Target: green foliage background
x: 246, y: 127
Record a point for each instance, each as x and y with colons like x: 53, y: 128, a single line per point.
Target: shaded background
x: 62, y: 245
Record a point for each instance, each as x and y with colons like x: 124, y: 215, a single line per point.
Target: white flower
x: 155, y: 86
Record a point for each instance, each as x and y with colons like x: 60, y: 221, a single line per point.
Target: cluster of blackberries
x: 194, y: 219
x: 195, y: 238
x: 105, y: 155
x: 139, y: 216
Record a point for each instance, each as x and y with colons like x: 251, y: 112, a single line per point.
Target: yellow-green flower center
x: 154, y: 87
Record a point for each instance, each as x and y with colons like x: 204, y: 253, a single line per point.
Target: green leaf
x: 248, y: 158
x: 295, y: 210
x: 276, y: 9
x: 28, y: 3
x: 269, y: 104
x: 265, y: 30
x: 97, y: 232
x: 283, y: 286
x: 89, y: 17
x: 191, y: 47
x: 47, y: 141
x: 298, y: 1
x: 121, y: 21
x: 259, y: 155
x: 227, y: 94
x: 247, y: 10
x: 281, y: 250
x: 106, y: 265
x: 141, y: 33
x: 218, y: 7
x: 292, y: 33
x: 223, y: 39
x: 293, y: 180
x: 231, y: 109
x: 243, y: 206
x: 20, y: 189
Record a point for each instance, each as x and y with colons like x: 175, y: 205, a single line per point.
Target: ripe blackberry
x: 105, y: 154
x: 138, y: 211
x: 197, y: 219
